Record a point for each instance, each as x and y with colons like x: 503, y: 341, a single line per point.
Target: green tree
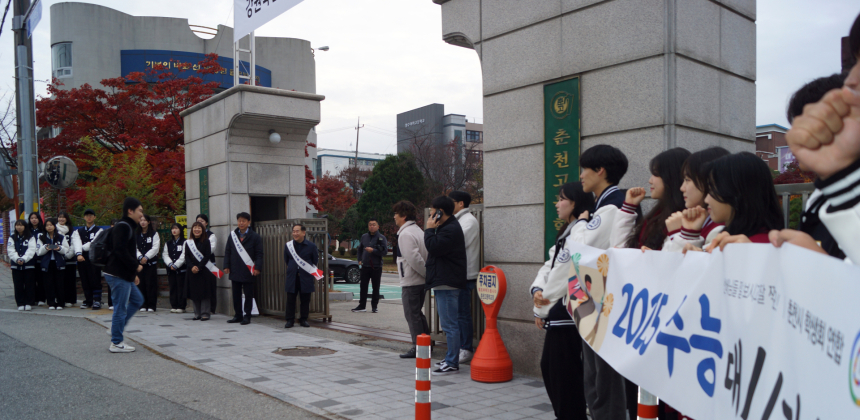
x: 395, y: 178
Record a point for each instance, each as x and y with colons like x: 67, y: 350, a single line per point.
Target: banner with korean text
x: 248, y: 15
x: 754, y: 332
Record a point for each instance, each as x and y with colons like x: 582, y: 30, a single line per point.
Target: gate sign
x: 248, y: 15
x: 488, y: 287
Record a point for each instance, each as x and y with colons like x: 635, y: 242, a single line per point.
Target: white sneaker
x: 143, y: 309
x: 28, y: 308
x: 110, y: 307
x: 20, y: 308
x: 52, y: 308
x: 150, y: 310
x: 465, y: 355
x: 173, y: 311
x: 59, y: 308
x: 40, y: 304
x: 180, y: 311
x: 121, y: 348
x: 68, y: 305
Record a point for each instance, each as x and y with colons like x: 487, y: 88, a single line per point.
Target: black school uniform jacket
x: 147, y: 246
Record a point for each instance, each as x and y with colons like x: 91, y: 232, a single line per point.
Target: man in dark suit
x: 244, y: 252
x: 301, y: 257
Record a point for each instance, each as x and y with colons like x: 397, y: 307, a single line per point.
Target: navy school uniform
x: 37, y: 260
x: 91, y: 275
x: 20, y: 248
x: 70, y: 288
x: 174, y: 257
x: 53, y: 264
x: 147, y: 246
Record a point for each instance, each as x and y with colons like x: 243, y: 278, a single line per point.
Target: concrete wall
x: 98, y: 34
x: 655, y: 74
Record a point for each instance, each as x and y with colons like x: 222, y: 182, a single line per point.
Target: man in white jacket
x: 472, y: 233
x: 411, y: 256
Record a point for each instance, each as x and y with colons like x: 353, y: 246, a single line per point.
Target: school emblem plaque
x: 561, y: 105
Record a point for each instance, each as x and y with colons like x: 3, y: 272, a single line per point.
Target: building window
x: 61, y: 59
x: 473, y: 136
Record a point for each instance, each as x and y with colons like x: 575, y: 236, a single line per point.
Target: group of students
x: 703, y: 201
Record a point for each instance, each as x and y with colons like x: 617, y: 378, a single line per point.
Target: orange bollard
x: 422, y: 378
x: 491, y: 362
x: 647, y: 405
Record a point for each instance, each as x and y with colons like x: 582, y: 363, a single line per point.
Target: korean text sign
x: 252, y: 14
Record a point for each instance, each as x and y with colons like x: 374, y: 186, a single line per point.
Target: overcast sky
x: 387, y: 56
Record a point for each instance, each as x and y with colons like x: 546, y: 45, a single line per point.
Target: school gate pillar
x: 230, y: 160
x: 651, y: 75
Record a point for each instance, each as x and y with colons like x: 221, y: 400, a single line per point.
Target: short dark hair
x: 405, y: 209
x: 204, y: 217
x: 745, y: 182
x: 696, y: 166
x: 372, y: 220
x: 607, y: 157
x: 304, y: 229
x: 130, y: 203
x: 812, y: 92
x: 461, y: 196
x: 854, y: 37
x: 444, y: 203
x: 242, y: 215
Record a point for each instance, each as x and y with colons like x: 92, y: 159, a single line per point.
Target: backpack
x: 101, y: 247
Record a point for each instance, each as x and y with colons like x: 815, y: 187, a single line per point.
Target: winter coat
x: 596, y: 231
x: 174, y: 254
x: 123, y: 260
x: 21, y: 248
x: 379, y: 244
x: 200, y: 284
x: 148, y: 245
x: 411, y: 255
x: 307, y: 251
x: 73, y: 240
x: 58, y: 257
x: 253, y: 244
x: 446, y: 250
x: 85, y: 238
x: 472, y: 235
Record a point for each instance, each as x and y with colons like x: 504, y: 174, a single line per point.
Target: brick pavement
x: 355, y: 382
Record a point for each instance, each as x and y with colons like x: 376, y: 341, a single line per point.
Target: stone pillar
x: 654, y: 74
x: 227, y: 136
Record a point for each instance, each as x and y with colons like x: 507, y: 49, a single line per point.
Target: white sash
x: 242, y: 253
x: 197, y: 254
x: 310, y: 268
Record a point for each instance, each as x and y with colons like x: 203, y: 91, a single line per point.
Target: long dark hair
x: 26, y: 235
x: 149, y: 227
x: 178, y: 226
x: 69, y: 222
x: 41, y: 222
x: 582, y: 202
x: 44, y: 236
x: 652, y: 228
x: 696, y: 166
x: 743, y: 181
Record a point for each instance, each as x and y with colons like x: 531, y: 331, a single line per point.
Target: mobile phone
x: 437, y: 215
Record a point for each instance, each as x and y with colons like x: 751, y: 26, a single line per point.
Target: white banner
x: 755, y: 332
x: 248, y: 15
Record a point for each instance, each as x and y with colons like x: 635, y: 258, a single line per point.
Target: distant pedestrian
x: 148, y: 244
x: 472, y: 235
x: 411, y: 257
x: 91, y: 275
x: 70, y: 288
x: 243, y: 260
x: 213, y: 245
x: 372, y: 247
x: 52, y: 247
x: 22, y: 250
x: 121, y: 273
x: 301, y: 256
x: 174, y: 260
x: 198, y: 254
x: 446, y: 275
x: 37, y: 227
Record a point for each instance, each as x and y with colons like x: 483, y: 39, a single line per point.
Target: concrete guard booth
x: 231, y: 165
x: 560, y: 76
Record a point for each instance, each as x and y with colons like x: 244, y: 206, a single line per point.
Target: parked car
x: 343, y: 269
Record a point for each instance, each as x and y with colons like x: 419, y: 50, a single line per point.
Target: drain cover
x: 301, y: 351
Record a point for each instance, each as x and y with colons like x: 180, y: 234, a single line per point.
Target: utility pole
x: 358, y: 128
x: 25, y: 108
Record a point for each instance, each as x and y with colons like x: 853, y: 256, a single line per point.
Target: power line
x: 383, y: 129
x: 334, y: 130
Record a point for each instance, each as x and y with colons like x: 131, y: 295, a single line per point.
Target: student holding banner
x: 201, y: 272
x: 243, y: 260
x: 561, y: 361
x: 301, y: 257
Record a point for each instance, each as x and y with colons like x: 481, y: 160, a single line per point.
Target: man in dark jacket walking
x: 244, y: 252
x: 121, y: 273
x: 301, y: 257
x: 446, y: 275
x: 373, y: 246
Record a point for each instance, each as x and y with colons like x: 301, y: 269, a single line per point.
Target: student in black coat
x: 174, y: 260
x: 299, y: 281
x: 52, y: 247
x: 199, y: 278
x: 243, y: 276
x: 37, y: 227
x: 148, y: 244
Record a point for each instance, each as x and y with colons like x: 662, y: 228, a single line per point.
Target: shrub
x: 353, y: 252
x: 341, y: 251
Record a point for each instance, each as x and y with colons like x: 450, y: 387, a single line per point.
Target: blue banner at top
x: 145, y: 60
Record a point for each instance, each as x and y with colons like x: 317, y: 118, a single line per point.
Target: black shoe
x: 204, y: 318
x: 359, y: 309
x: 196, y: 318
x: 374, y: 310
x: 304, y: 323
x: 409, y: 354
x: 290, y: 323
x: 234, y: 320
x: 246, y: 320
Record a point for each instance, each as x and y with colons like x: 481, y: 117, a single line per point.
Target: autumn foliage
x: 335, y: 199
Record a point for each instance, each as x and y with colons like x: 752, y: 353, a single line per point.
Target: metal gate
x: 271, y: 297
x: 430, y: 311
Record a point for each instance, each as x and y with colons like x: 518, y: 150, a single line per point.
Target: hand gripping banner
x: 197, y: 254
x: 753, y: 332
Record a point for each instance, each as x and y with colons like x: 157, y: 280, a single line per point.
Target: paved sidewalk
x: 355, y: 382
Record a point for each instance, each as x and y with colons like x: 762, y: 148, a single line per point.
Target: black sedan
x: 343, y: 269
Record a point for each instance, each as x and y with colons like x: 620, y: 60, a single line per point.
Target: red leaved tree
x: 335, y: 199
x: 138, y: 113
x: 310, y: 185
x: 794, y: 175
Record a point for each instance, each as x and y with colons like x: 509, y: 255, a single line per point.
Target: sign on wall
x: 561, y: 148
x: 145, y: 60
